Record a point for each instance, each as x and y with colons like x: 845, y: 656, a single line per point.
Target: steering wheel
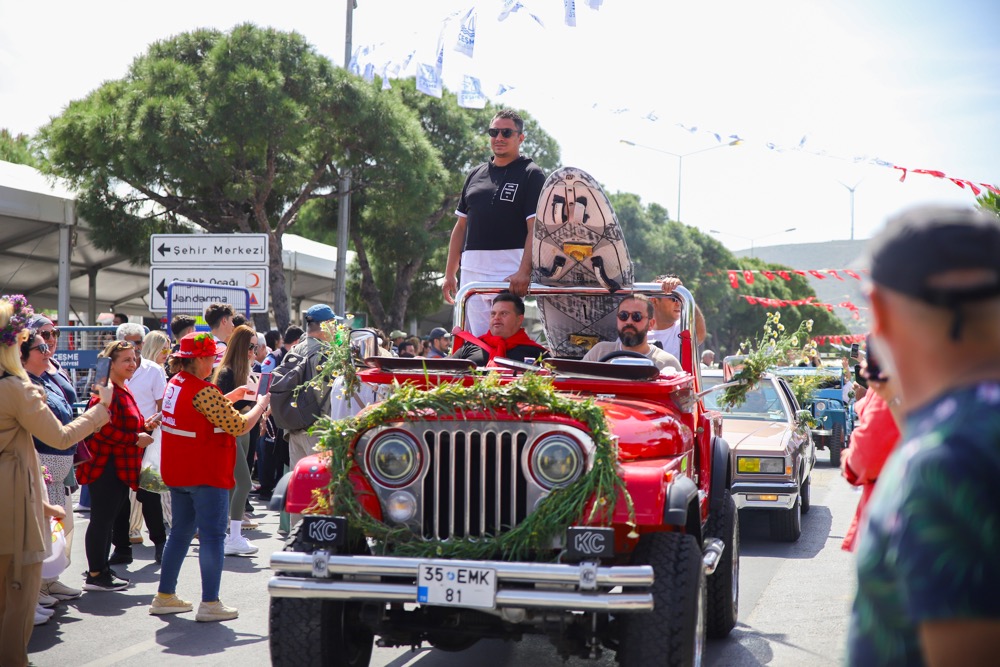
x: 622, y: 353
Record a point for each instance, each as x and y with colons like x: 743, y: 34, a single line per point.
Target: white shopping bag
x: 55, y: 561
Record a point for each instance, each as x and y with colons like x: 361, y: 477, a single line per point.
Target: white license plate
x: 456, y: 586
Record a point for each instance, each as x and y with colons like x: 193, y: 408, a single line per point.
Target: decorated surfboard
x: 578, y: 241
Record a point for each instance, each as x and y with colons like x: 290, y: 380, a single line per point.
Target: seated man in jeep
x: 635, y: 319
x: 506, y: 337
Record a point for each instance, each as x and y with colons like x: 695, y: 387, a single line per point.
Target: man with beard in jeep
x: 635, y: 320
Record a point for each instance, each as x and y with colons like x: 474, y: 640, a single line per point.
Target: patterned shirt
x: 928, y: 550
x: 117, y: 438
x: 219, y: 410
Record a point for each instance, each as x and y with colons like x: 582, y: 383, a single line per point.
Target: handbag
x: 55, y: 559
x: 82, y: 454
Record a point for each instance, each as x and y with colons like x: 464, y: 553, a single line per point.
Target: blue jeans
x: 205, y: 509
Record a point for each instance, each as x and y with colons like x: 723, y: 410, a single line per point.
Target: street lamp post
x: 755, y: 238
x: 680, y: 162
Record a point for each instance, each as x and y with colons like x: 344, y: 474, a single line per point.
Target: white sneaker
x: 41, y: 619
x: 61, y: 591
x: 237, y: 545
x: 47, y: 613
x: 46, y: 600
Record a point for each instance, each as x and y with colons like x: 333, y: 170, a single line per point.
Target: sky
x: 818, y: 93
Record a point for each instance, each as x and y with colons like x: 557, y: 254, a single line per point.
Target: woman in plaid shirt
x: 114, y: 469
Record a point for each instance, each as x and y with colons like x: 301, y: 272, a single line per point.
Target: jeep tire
x: 836, y: 445
x: 786, y: 525
x: 317, y: 632
x: 724, y: 584
x: 673, y: 633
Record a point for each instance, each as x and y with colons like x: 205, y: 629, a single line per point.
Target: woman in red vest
x: 198, y: 454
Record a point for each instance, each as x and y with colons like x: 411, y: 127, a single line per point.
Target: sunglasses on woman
x: 636, y: 315
x: 41, y: 347
x: 49, y: 335
x: 505, y: 131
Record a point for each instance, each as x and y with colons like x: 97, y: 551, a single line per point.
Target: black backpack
x: 296, y: 409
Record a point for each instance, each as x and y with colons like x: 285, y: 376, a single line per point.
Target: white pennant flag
x: 429, y: 80
x: 352, y: 66
x: 369, y: 74
x: 466, y: 41
x: 511, y: 6
x: 385, y: 76
x: 471, y: 96
x: 502, y: 88
x: 570, y: 7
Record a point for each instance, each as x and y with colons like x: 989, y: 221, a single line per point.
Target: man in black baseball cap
x: 926, y: 557
x: 440, y: 341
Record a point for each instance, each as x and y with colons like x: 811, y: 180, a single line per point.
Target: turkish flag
x: 768, y: 274
x: 734, y: 282
x: 784, y: 274
x: 816, y: 274
x: 852, y: 274
x: 748, y: 276
x: 834, y: 274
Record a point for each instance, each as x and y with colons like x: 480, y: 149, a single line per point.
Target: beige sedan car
x: 772, y: 452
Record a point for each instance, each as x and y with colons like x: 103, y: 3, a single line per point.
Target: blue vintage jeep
x: 831, y: 405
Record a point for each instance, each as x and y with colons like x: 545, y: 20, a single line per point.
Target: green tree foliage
x: 402, y: 245
x: 988, y: 201
x: 233, y: 132
x: 16, y: 148
x: 661, y: 246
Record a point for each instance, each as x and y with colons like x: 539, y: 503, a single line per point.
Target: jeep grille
x: 475, y: 485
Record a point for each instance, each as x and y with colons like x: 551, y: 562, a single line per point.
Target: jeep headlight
x: 394, y: 459
x: 770, y: 465
x: 556, y: 460
x: 820, y: 406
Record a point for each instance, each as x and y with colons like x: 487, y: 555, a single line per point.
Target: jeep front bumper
x: 568, y: 587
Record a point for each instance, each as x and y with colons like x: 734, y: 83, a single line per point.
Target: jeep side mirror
x: 732, y: 365
x: 364, y: 343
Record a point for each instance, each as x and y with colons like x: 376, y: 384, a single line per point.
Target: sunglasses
x: 253, y: 347
x: 49, y: 334
x: 41, y: 347
x: 636, y: 316
x: 506, y: 132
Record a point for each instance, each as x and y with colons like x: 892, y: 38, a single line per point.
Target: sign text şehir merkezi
x: 242, y: 249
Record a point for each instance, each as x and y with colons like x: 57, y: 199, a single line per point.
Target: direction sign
x: 210, y: 249
x: 254, y: 278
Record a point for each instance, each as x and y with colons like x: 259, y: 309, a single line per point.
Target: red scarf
x: 497, y: 346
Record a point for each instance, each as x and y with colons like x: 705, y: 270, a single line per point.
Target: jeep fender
x: 277, y: 502
x: 722, y: 473
x: 681, y: 509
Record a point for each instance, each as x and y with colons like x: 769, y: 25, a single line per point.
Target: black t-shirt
x: 497, y: 201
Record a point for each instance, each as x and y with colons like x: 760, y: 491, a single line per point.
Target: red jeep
x: 648, y: 584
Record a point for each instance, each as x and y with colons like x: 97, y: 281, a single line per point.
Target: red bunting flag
x: 734, y: 282
x: 768, y: 274
x: 784, y: 274
x: 801, y: 273
x: 930, y: 172
x: 748, y: 276
x: 834, y: 274
x: 852, y: 274
x: 816, y: 274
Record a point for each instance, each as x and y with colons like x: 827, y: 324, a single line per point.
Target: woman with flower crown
x: 24, y: 529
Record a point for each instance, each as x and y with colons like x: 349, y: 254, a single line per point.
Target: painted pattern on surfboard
x: 578, y: 241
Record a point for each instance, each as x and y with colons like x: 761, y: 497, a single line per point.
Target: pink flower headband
x: 18, y: 320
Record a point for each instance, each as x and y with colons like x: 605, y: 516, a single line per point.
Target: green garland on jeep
x: 530, y: 396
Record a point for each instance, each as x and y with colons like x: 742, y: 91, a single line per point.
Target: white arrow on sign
x: 254, y: 278
x: 235, y: 249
